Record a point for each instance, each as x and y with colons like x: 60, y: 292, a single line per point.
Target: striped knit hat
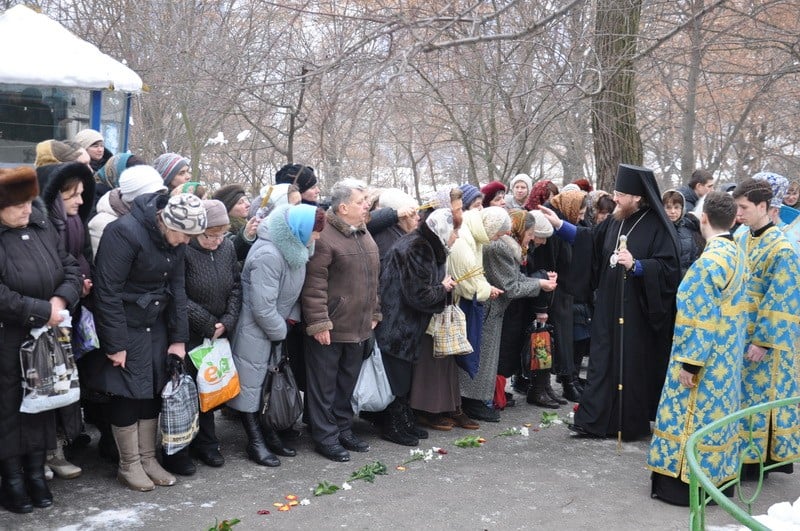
x: 168, y: 165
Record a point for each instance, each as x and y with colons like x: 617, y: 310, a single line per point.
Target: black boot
x: 256, y: 447
x: 106, y: 446
x: 33, y: 465
x: 537, y: 394
x: 572, y: 390
x: 14, y: 495
x: 179, y: 463
x: 521, y: 384
x: 393, y: 427
x: 410, y: 424
x: 275, y: 444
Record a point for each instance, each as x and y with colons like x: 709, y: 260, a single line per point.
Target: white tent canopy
x: 37, y: 50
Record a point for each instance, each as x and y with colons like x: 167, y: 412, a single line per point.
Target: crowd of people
x: 682, y: 319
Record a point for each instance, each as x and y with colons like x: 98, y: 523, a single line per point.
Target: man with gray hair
x: 340, y: 309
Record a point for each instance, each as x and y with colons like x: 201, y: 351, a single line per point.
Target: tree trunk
x: 616, y: 137
x: 687, y: 148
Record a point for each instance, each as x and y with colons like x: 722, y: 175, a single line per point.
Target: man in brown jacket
x: 340, y: 308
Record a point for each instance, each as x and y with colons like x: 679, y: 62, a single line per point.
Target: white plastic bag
x: 217, y: 379
x: 372, y: 392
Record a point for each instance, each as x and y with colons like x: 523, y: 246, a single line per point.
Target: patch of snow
x: 242, y: 136
x: 217, y: 140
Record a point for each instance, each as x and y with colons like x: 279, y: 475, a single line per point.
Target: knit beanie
x: 138, y: 180
x: 396, y: 199
x: 521, y: 177
x: 168, y: 165
x: 54, y: 152
x: 301, y: 219
x: 111, y: 171
x: 185, y: 213
x: 471, y: 193
x: 302, y: 176
x: 495, y: 220
x: 230, y: 195
x: 17, y: 185
x: 539, y: 195
x: 583, y: 184
x: 491, y: 190
x: 87, y: 137
x: 541, y: 228
x: 216, y: 213
x: 778, y: 183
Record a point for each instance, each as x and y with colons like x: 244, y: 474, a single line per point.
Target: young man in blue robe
x: 773, y: 333
x: 704, y: 373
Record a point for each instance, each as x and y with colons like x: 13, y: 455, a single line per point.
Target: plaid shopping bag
x: 449, y: 331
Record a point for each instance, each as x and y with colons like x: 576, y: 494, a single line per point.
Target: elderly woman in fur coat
x: 272, y: 279
x: 413, y: 287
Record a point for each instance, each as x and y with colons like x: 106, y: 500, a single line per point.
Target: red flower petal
x: 442, y: 451
x: 263, y: 511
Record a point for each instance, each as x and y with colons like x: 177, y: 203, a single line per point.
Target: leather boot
x: 14, y: 494
x: 537, y: 394
x: 147, y: 453
x: 106, y: 446
x: 572, y: 390
x: 275, y: 444
x: 178, y: 463
x: 548, y: 388
x: 131, y: 474
x: 410, y: 424
x: 33, y: 465
x: 393, y: 427
x: 256, y: 447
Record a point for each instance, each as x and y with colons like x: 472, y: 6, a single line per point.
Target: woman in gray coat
x: 272, y: 278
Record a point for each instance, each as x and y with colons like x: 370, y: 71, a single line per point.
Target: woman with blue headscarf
x: 272, y: 278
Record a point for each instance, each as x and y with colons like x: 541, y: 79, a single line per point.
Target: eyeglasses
x: 217, y: 238
x: 620, y: 194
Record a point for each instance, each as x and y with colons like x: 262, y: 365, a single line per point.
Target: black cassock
x: 649, y: 317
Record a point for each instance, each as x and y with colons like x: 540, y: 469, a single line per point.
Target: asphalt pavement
x: 545, y: 480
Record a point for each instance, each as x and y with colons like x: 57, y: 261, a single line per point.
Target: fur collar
x: 343, y: 227
x: 433, y: 240
x: 278, y: 232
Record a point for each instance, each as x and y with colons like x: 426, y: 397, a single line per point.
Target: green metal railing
x: 702, y: 490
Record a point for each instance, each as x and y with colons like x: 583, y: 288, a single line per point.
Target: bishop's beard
x: 624, y: 212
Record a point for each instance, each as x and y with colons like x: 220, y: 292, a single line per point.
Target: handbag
x: 86, y: 339
x: 372, y: 391
x: 180, y: 416
x: 49, y: 373
x: 538, y: 350
x: 217, y: 378
x: 449, y: 331
x: 281, y: 402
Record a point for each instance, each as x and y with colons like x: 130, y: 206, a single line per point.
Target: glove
x: 174, y: 365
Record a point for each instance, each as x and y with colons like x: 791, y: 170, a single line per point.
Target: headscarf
x: 301, y: 219
x: 110, y: 172
x: 518, y: 226
x: 569, y: 203
x: 440, y: 222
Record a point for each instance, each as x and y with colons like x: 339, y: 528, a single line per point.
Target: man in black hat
x: 636, y: 272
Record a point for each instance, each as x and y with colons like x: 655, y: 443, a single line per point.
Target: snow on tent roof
x: 37, y: 50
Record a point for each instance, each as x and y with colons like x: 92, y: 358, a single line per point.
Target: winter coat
x: 690, y: 198
x: 140, y: 302
x: 34, y: 266
x: 687, y: 228
x: 109, y: 208
x: 341, y: 289
x: 501, y: 261
x: 466, y: 255
x: 213, y: 290
x: 411, y: 292
x: 272, y: 279
x: 386, y: 239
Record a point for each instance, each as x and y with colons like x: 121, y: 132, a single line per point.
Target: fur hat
x: 302, y: 176
x: 138, y: 180
x: 185, y: 213
x: 491, y: 190
x: 17, y: 185
x: 87, y: 137
x: 521, y: 177
x: 168, y: 165
x: 229, y: 195
x: 495, y: 220
x: 778, y: 183
x: 216, y: 213
x: 471, y: 193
